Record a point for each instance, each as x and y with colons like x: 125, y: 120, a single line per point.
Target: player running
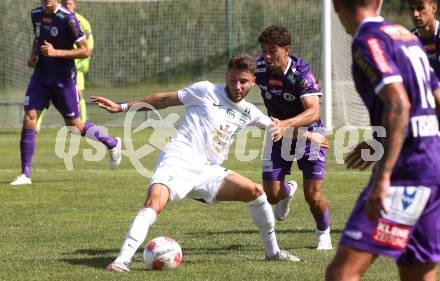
x: 291, y: 95
x: 53, y: 80
x: 397, y: 214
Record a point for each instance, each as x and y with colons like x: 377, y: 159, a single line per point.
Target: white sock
x: 136, y: 234
x: 262, y: 217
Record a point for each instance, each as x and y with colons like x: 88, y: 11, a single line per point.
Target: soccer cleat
x: 323, y: 240
x: 115, y: 155
x: 118, y: 267
x: 284, y: 256
x: 21, y: 180
x: 283, y: 206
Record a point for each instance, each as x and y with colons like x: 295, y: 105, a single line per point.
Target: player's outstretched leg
x: 157, y: 199
x: 283, y: 206
x: 114, y: 145
x: 238, y: 188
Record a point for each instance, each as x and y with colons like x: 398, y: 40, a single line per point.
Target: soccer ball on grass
x: 162, y: 253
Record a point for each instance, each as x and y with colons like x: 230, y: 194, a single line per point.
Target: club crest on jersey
x: 54, y: 31
x: 289, y: 97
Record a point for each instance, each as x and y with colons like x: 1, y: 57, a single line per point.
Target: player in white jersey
x: 189, y: 166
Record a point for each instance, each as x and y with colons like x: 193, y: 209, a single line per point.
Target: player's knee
x: 30, y: 119
x: 255, y: 191
x: 272, y: 196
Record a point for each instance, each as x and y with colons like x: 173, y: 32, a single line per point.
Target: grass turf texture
x: 68, y: 225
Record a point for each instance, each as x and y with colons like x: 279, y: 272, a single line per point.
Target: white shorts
x: 184, y: 179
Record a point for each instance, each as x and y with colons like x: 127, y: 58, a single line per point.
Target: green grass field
x: 68, y: 225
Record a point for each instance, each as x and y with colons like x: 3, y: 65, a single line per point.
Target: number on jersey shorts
x: 408, y: 232
x: 185, y: 179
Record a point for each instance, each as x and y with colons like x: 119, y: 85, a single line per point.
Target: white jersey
x: 211, y: 123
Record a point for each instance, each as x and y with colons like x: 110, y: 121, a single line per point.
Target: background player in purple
x: 397, y: 214
x: 56, y: 31
x: 291, y: 95
x: 427, y: 29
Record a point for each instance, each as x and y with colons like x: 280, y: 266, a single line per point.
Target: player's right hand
x: 32, y: 61
x: 107, y: 104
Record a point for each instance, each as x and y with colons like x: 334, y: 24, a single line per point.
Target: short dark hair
x: 352, y: 4
x: 242, y: 61
x: 275, y: 35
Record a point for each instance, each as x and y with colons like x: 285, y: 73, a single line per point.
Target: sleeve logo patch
x: 378, y: 55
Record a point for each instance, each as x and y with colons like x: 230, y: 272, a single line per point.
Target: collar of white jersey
x: 366, y: 20
x: 288, y: 66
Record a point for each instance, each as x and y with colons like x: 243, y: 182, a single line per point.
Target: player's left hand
x: 48, y: 50
x: 375, y: 204
x: 281, y: 129
x: 107, y: 104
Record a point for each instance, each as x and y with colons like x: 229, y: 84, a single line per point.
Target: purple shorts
x: 65, y: 100
x: 408, y: 233
x: 311, y: 162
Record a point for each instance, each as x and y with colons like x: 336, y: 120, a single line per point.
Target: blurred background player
x: 189, y: 166
x: 81, y: 64
x: 291, y: 95
x: 397, y: 214
x: 53, y: 80
x: 427, y: 29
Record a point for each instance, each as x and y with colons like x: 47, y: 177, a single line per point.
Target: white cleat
x: 118, y: 267
x: 283, y: 206
x: 21, y: 180
x: 284, y: 256
x: 323, y: 240
x: 115, y: 155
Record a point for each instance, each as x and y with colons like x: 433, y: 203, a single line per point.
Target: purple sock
x: 285, y: 191
x: 322, y: 220
x: 99, y: 135
x: 27, y: 148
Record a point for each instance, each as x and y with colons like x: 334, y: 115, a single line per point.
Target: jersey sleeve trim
x: 311, y: 94
x: 386, y: 81
x: 80, y: 38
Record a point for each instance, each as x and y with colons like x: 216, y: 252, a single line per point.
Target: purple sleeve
x: 75, y: 29
x: 371, y: 55
x: 308, y: 84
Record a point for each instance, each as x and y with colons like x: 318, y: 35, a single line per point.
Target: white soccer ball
x: 162, y: 253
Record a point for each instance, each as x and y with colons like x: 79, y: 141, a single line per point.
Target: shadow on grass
x: 101, y: 257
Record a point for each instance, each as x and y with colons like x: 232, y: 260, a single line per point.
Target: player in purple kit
x: 397, y: 214
x: 291, y: 95
x: 52, y: 56
x: 427, y: 29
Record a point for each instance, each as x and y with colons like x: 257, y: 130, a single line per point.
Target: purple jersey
x: 62, y: 30
x: 432, y: 48
x: 384, y: 53
x: 282, y: 94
